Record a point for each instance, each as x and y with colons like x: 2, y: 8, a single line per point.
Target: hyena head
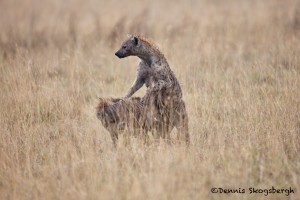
x: 106, y: 111
x: 139, y: 46
x: 131, y: 47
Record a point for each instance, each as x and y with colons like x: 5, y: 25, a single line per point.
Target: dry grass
x: 239, y: 65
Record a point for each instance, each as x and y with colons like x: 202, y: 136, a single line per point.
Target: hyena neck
x: 153, y: 60
x: 150, y: 53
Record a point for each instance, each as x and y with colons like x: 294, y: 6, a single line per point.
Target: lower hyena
x: 163, y: 97
x: 120, y: 115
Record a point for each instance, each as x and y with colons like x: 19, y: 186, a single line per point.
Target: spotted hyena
x: 163, y: 97
x: 120, y: 115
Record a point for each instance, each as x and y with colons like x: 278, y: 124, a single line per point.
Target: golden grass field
x: 239, y: 66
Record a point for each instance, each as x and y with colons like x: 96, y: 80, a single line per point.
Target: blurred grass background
x: 238, y: 62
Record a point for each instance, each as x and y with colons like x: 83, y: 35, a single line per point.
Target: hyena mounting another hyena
x: 163, y: 98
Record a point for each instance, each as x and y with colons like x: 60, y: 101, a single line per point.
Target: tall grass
x: 239, y: 66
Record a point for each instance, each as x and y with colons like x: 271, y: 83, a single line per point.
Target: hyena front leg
x: 139, y: 82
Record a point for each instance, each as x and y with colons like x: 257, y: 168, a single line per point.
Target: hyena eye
x: 124, y: 47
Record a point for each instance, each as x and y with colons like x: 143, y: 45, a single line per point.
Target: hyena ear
x: 136, y: 40
x: 102, y: 103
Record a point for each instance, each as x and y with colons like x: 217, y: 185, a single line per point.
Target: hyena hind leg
x: 114, y: 137
x: 182, y: 124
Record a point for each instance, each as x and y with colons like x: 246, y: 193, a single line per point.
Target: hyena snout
x: 99, y: 115
x: 121, y: 53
